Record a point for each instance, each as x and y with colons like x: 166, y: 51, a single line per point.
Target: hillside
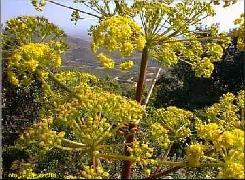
x: 79, y: 56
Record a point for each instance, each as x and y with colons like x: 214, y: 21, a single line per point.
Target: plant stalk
x: 127, y: 165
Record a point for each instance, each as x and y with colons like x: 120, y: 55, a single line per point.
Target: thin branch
x: 114, y: 145
x: 73, y: 143
x: 159, y: 28
x: 107, y: 6
x: 99, y: 8
x: 185, y: 61
x: 142, y: 19
x: 70, y: 149
x: 72, y: 8
x: 152, y: 86
x: 91, y: 7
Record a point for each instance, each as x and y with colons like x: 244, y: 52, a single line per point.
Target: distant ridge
x: 79, y: 56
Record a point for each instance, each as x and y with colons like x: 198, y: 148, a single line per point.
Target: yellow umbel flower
x: 210, y: 131
x: 118, y: 33
x: 12, y: 78
x: 94, y: 173
x: 203, y: 67
x: 106, y: 61
x: 232, y: 171
x: 194, y: 154
x: 126, y: 65
x: 31, y: 65
x: 30, y: 57
x: 160, y: 134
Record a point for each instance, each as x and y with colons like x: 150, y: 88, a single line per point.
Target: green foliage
x: 179, y: 86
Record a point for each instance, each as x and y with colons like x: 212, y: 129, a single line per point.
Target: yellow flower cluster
x: 230, y: 142
x: 126, y: 65
x: 41, y: 135
x: 199, y: 55
x: 175, y: 120
x: 32, y: 57
x: 234, y: 165
x: 160, y: 134
x: 116, y: 109
x: 30, y: 29
x: 94, y: 173
x: 203, y: 56
x: 194, y: 153
x: 106, y: 61
x: 174, y: 116
x: 232, y: 171
x: 31, y: 65
x: 226, y: 112
x: 165, y: 55
x: 240, y: 31
x: 13, y: 78
x: 74, y: 78
x: 55, y: 97
x: 209, y: 131
x: 232, y: 138
x: 170, y: 125
x: 182, y: 12
x: 223, y: 137
x: 203, y: 67
x: 90, y: 131
x: 214, y: 51
x: 240, y: 99
x: 118, y: 33
x: 142, y: 152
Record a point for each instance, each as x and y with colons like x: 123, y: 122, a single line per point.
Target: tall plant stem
x: 127, y: 166
x: 141, y: 80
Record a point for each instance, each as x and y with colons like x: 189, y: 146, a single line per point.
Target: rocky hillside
x: 79, y: 56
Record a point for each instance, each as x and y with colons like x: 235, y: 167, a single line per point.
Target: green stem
x: 73, y: 144
x: 212, y: 159
x: 219, y: 164
x: 171, y: 163
x: 70, y: 149
x: 114, y: 145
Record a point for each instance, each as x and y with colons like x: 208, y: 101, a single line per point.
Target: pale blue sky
x: 61, y: 16
x: 56, y: 14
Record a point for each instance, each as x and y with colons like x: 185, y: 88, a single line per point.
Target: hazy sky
x: 61, y: 16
